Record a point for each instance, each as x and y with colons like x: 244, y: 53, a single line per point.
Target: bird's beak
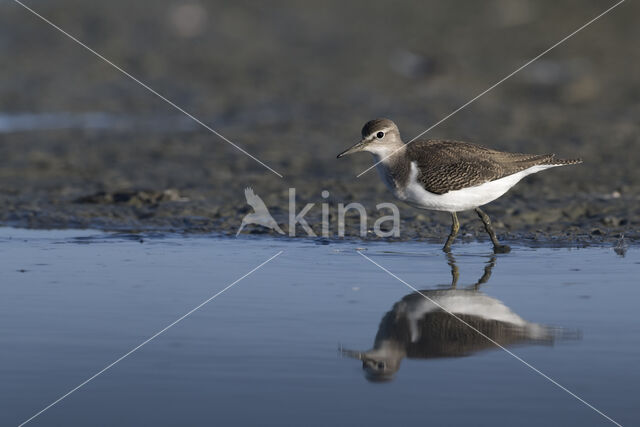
x: 353, y: 354
x: 354, y: 149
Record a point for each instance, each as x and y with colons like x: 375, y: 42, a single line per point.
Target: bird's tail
x: 553, y: 160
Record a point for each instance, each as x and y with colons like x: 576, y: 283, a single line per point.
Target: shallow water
x: 24, y: 122
x: 266, y: 351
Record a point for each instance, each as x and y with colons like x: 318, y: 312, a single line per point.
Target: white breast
x: 459, y: 200
x: 464, y: 303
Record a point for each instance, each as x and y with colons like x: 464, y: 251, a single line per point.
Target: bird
x: 448, y: 323
x: 260, y: 216
x: 417, y: 328
x: 447, y: 175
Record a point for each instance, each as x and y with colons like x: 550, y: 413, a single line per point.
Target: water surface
x: 267, y: 351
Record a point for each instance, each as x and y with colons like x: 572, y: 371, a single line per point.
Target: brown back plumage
x: 452, y: 165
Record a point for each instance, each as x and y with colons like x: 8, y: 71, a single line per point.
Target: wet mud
x: 292, y: 83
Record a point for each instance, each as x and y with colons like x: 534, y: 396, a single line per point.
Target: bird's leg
x: 497, y: 247
x: 487, y: 273
x: 455, y: 227
x: 455, y: 273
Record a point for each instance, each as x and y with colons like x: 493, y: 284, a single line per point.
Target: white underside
x: 466, y: 303
x: 458, y: 200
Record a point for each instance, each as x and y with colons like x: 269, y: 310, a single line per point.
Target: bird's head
x: 378, y: 366
x: 380, y: 137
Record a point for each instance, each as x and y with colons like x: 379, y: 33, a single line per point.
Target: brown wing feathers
x: 452, y: 165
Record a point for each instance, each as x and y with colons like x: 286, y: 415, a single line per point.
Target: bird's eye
x: 380, y: 135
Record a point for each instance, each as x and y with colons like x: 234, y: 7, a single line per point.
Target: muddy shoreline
x: 293, y: 84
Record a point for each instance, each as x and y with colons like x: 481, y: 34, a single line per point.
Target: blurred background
x: 292, y: 82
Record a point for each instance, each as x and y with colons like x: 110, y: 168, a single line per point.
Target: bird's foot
x: 501, y: 249
x: 447, y: 246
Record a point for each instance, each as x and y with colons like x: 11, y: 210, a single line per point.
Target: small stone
x: 621, y: 246
x: 610, y: 221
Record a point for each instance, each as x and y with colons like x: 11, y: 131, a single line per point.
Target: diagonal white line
x: 496, y: 84
x: 146, y: 341
x: 493, y: 341
x: 174, y: 105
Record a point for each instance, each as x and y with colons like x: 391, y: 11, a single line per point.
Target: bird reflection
x: 417, y: 328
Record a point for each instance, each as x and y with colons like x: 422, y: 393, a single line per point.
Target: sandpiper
x: 438, y: 323
x: 450, y: 176
x: 416, y: 328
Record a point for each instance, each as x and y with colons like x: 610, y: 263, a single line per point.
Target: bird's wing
x: 452, y: 165
x: 254, y: 200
